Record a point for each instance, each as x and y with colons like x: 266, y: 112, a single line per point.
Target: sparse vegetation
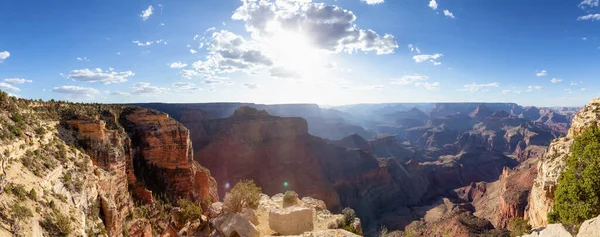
x: 383, y: 231
x: 518, y: 226
x: 245, y: 194
x: 189, y: 211
x: 577, y: 197
x: 32, y: 194
x: 348, y: 220
x: 290, y: 198
x: 19, y: 213
x: 57, y: 224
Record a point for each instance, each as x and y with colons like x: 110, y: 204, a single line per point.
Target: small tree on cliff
x: 244, y: 194
x: 518, y: 226
x: 577, y: 197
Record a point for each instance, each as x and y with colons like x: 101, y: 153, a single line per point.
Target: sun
x: 293, y: 50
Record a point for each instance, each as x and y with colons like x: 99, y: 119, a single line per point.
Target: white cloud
x: 188, y: 74
x: 427, y: 57
x: 589, y: 17
x: 184, y: 86
x: 120, y: 93
x: 479, y: 87
x: 177, y: 65
x: 83, y: 59
x: 14, y: 81
x: 584, y: 38
x: 448, y: 14
x: 229, y: 52
x: 4, y: 55
x: 330, y: 28
x: 433, y: 4
x: 573, y: 83
x: 193, y: 51
x: 207, y: 30
x: 281, y: 72
x: 144, y: 88
x: 97, y: 75
x: 250, y: 85
x: 511, y: 91
x: 531, y: 88
x: 436, y: 86
x: 414, y: 48
x: 372, y: 2
x: 410, y: 79
x: 556, y: 80
x: 7, y: 86
x: 542, y: 73
x: 146, y: 13
x: 76, y: 91
x: 142, y: 43
x: 589, y: 3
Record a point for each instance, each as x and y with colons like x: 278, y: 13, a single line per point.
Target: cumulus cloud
x: 4, y: 55
x: 146, y: 13
x: 589, y: 17
x: 448, y: 14
x: 142, y: 43
x: 7, y: 86
x: 542, y: 73
x: 192, y: 51
x: 435, y: 86
x: 188, y: 74
x: 229, y: 52
x: 14, y: 81
x: 85, y: 59
x: 76, y: 91
x: 98, y: 75
x: 410, y: 79
x: 372, y: 2
x: 250, y: 86
x: 589, y: 3
x: 184, y: 86
x: 556, y: 80
x: 177, y: 65
x: 479, y: 87
x: 330, y: 28
x: 433, y: 4
x: 144, y: 88
x: 428, y: 58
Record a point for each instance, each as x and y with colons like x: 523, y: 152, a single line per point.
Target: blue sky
x: 536, y: 52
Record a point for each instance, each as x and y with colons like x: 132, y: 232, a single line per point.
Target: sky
x: 535, y: 52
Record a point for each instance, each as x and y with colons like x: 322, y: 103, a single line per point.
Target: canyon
x: 470, y: 167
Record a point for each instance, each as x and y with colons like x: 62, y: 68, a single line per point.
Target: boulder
x: 590, y: 228
x: 215, y: 209
x: 293, y: 220
x: 553, y: 230
x: 250, y: 215
x: 232, y: 224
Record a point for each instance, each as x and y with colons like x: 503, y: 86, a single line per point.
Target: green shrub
x: 577, y: 197
x: 32, y: 194
x: 349, y: 216
x: 290, y: 198
x: 19, y: 191
x: 57, y: 224
x: 518, y: 227
x: 189, y: 211
x: 20, y: 213
x: 244, y: 194
x: 383, y: 231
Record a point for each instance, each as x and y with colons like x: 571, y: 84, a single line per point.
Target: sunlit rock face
x: 151, y: 152
x: 553, y: 164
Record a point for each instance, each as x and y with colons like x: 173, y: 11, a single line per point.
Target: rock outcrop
x: 150, y: 153
x: 291, y: 220
x: 553, y: 164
